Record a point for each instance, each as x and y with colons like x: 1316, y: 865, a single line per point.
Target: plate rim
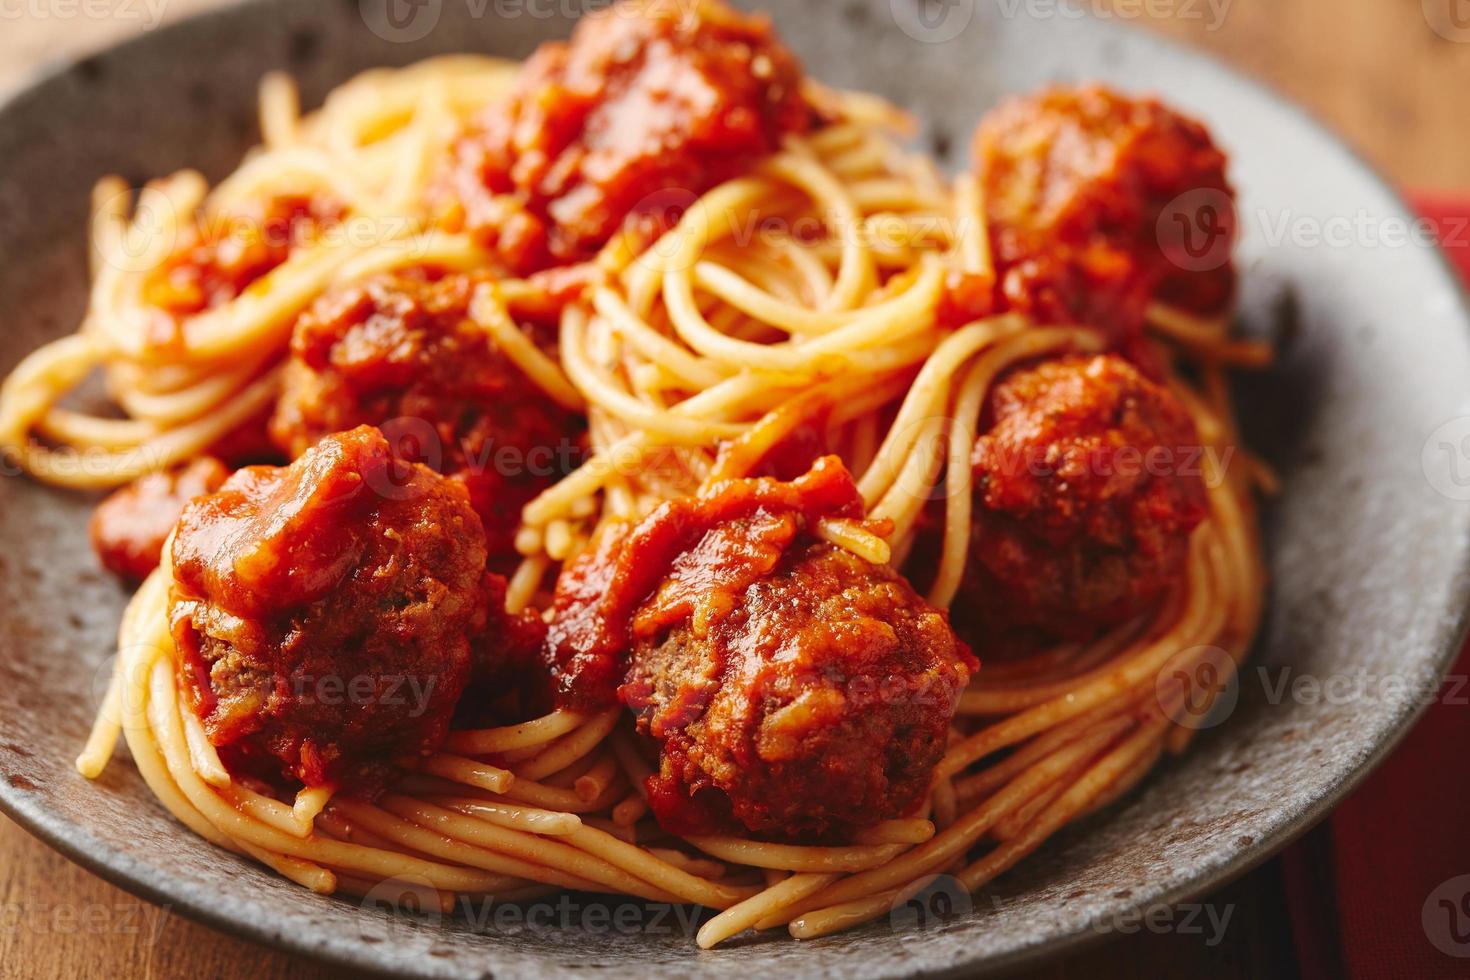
x: 117, y: 869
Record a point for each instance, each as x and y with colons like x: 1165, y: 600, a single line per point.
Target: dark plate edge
x: 109, y: 867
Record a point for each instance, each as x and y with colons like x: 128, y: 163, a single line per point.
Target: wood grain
x: 1376, y: 71
x: 58, y: 922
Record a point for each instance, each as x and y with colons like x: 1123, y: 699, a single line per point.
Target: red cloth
x: 1391, y: 853
x: 1451, y: 217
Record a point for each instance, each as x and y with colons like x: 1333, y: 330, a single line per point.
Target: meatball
x: 1098, y: 202
x: 399, y: 352
x: 323, y: 611
x: 651, y: 103
x: 793, y: 689
x: 821, y: 702
x: 131, y: 525
x: 1087, y: 485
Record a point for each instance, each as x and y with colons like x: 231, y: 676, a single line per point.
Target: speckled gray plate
x: 1368, y: 541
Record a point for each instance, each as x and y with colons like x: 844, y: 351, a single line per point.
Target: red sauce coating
x: 398, y: 352
x: 130, y: 526
x: 1087, y: 486
x: 650, y: 104
x: 689, y: 551
x: 1087, y: 194
x: 793, y: 689
x: 223, y: 254
x: 323, y: 611
x: 820, y: 702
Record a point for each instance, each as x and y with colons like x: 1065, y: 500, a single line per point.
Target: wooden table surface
x: 1391, y: 75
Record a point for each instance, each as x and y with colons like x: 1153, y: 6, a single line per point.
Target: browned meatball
x: 821, y: 702
x: 1097, y: 202
x: 1086, y: 488
x: 130, y: 526
x: 400, y: 352
x: 793, y: 688
x: 651, y: 103
x: 323, y: 611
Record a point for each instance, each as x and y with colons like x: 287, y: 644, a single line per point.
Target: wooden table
x: 1377, y: 71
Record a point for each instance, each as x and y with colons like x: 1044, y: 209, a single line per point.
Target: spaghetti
x: 806, y: 292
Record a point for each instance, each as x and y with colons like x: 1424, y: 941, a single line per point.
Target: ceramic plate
x: 1364, y: 416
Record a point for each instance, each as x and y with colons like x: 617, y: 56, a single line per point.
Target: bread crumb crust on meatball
x: 651, y: 103
x: 793, y: 689
x: 820, y: 703
x: 323, y: 611
x: 1090, y: 197
x: 400, y: 352
x: 1086, y: 487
